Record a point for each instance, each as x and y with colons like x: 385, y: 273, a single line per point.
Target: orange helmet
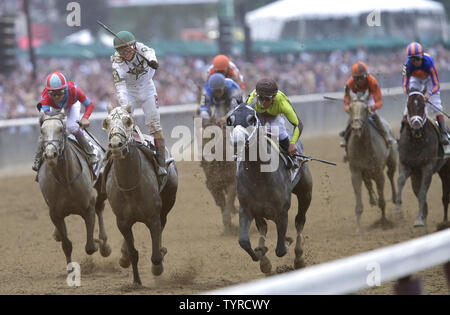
x: 359, y: 69
x: 221, y: 63
x: 414, y: 50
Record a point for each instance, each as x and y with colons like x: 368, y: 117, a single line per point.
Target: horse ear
x: 109, y: 108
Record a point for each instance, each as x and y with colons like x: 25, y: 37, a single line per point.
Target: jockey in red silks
x: 221, y: 64
x: 60, y: 94
x: 420, y: 72
x: 361, y: 81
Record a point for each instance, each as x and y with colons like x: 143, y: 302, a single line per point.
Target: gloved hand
x: 153, y: 64
x: 372, y: 109
x: 292, y: 149
x: 84, y: 123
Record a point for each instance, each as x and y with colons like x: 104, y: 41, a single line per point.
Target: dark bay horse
x: 420, y: 158
x: 266, y: 194
x: 67, y: 184
x: 132, y: 188
x: 220, y: 174
x: 368, y: 156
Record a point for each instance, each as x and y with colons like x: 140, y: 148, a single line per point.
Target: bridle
x: 58, y: 144
x: 117, y: 129
x: 416, y: 119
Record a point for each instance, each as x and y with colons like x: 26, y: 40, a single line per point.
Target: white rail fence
x: 356, y: 272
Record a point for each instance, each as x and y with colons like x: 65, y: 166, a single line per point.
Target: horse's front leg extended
x: 264, y: 263
x: 404, y: 173
x: 62, y: 231
x: 357, y: 184
x: 245, y: 219
x: 158, y: 252
x: 427, y: 173
x: 282, y: 223
x: 89, y: 220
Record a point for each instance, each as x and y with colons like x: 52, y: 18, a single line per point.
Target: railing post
x: 408, y: 286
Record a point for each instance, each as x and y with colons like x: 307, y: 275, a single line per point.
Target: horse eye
x: 230, y: 120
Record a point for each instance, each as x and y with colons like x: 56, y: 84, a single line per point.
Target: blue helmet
x: 216, y: 81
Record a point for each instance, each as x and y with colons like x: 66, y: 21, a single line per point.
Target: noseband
x: 118, y: 130
x: 59, y: 144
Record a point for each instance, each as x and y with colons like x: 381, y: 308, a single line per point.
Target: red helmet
x: 221, y: 63
x: 359, y: 69
x: 56, y: 81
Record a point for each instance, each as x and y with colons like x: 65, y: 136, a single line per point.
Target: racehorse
x: 368, y: 156
x: 133, y: 191
x: 220, y: 174
x: 66, y: 182
x: 420, y: 158
x: 266, y: 195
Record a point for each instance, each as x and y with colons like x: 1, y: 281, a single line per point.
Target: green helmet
x: 126, y: 36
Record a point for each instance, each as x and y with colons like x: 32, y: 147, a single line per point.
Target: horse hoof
x: 157, y: 270
x: 91, y: 249
x: 105, y: 250
x: 264, y: 265
x: 299, y: 263
x: 419, y: 223
x: 124, y: 262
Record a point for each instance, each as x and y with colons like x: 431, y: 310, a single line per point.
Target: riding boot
x: 38, y: 157
x: 380, y: 127
x: 284, y: 145
x: 443, y: 129
x: 161, y: 172
x: 84, y: 143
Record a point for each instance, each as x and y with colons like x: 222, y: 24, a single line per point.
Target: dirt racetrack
x: 199, y: 257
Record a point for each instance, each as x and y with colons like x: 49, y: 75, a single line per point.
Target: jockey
x: 62, y: 94
x: 221, y: 64
x: 360, y: 82
x: 273, y: 105
x: 419, y: 71
x: 219, y: 91
x: 133, y: 78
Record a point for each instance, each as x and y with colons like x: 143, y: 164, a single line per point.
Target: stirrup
x: 343, y: 143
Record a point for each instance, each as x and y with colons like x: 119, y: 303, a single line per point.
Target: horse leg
x: 66, y: 244
x: 229, y: 209
x: 391, y: 167
x: 105, y: 249
x: 282, y: 241
x: 303, y: 191
x: 404, y: 173
x: 158, y: 252
x: 219, y: 197
x: 379, y: 180
x: 264, y: 263
x: 445, y: 179
x: 89, y: 220
x: 372, y: 196
x: 133, y: 254
x: 357, y: 183
x: 245, y: 219
x: 427, y: 173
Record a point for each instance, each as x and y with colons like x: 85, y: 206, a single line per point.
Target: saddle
x: 97, y: 168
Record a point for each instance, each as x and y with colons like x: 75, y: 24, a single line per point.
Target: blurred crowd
x: 178, y: 79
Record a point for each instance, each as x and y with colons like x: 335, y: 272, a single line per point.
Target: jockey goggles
x: 265, y: 97
x: 359, y: 77
x: 56, y: 92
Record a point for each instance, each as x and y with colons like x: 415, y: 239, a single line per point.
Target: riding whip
x: 93, y: 138
x: 308, y: 158
x: 115, y: 35
x: 434, y: 106
x: 333, y: 98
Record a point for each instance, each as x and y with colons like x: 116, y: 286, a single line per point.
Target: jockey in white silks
x: 133, y: 78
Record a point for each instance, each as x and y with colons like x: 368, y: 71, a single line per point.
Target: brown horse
x: 133, y: 191
x: 368, y: 156
x: 66, y: 182
x: 420, y: 159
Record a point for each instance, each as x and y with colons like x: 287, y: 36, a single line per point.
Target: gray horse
x: 368, y: 156
x: 267, y: 195
x: 66, y: 182
x: 420, y: 159
x: 220, y: 178
x: 132, y: 188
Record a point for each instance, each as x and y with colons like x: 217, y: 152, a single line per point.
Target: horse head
x: 358, y: 111
x: 119, y: 124
x: 245, y: 121
x: 416, y: 112
x: 53, y: 135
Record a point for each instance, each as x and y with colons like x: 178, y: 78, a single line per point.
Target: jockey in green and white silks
x: 133, y: 78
